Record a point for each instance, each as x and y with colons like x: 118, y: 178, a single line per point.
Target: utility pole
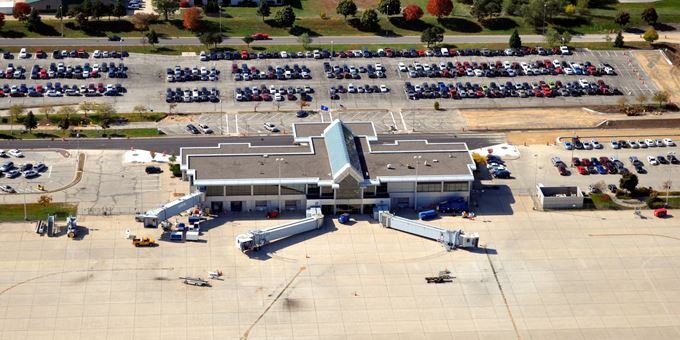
x: 545, y: 6
x: 61, y: 17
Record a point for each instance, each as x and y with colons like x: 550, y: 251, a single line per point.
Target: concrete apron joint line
x: 500, y: 288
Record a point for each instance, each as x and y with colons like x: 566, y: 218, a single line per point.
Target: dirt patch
x: 665, y: 76
x: 549, y: 137
x: 522, y: 119
x: 643, y: 123
x: 177, y: 119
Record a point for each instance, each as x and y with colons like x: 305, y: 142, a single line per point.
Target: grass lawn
x: 604, y: 202
x: 108, y: 133
x: 240, y: 21
x: 34, y: 211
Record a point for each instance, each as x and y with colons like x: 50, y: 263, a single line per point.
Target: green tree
x: 46, y: 111
x: 650, y: 35
x: 535, y: 10
x: 64, y: 123
x: 346, y: 8
x: 628, y: 182
x: 86, y: 8
x: 618, y: 42
x: 583, y: 7
x: 552, y: 38
x: 484, y: 9
x: 15, y: 111
x: 81, y: 19
x: 248, y: 39
x: 33, y: 21
x: 30, y: 122
x: 432, y: 35
x: 513, y: 7
x: 389, y: 7
x: 515, y: 40
x: 211, y: 6
x: 167, y: 7
x: 105, y: 111
x: 210, y: 39
x: 285, y: 17
x: 152, y: 38
x: 622, y: 19
x: 305, y: 40
x: 119, y: 10
x: 649, y: 16
x: 98, y: 10
x: 661, y: 97
x: 369, y: 20
x: 264, y: 10
x: 566, y: 38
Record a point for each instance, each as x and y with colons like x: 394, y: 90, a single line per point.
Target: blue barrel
x: 344, y: 218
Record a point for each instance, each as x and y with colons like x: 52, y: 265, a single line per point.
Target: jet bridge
x: 153, y: 218
x: 255, y: 239
x: 450, y: 239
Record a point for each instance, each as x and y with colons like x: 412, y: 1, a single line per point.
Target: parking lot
x: 61, y: 167
x: 535, y: 166
x: 147, y: 84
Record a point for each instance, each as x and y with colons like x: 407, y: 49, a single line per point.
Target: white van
x: 445, y: 51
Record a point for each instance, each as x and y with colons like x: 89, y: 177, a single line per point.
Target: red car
x: 260, y: 36
x: 582, y: 170
x: 244, y: 55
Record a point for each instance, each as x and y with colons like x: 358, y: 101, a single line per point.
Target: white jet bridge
x: 255, y: 239
x: 153, y: 218
x: 450, y: 239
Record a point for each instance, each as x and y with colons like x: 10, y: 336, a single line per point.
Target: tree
x: 439, y: 8
x: 142, y: 21
x: 650, y: 35
x: 412, y: 13
x: 535, y: 11
x: 513, y: 7
x: 641, y: 99
x: 248, y: 39
x: 566, y: 38
x: 618, y: 42
x: 649, y: 16
x: 369, y: 20
x: 44, y: 200
x: 484, y: 9
x: 97, y: 10
x: 305, y: 40
x: 515, y: 40
x: 166, y: 7
x: 552, y: 38
x: 46, y: 111
x: 264, y: 10
x: 30, y: 122
x: 346, y: 8
x: 628, y: 181
x: 661, y: 97
x: 33, y: 21
x: 389, y: 7
x: 105, y: 111
x: 211, y: 6
x: 66, y: 112
x: 14, y: 112
x: 64, y: 123
x: 432, y: 35
x: 570, y: 9
x: 82, y: 19
x: 152, y: 38
x: 210, y: 38
x: 2, y: 20
x: 285, y: 17
x: 192, y: 18
x: 21, y: 10
x: 119, y: 10
x: 86, y: 7
x: 622, y: 19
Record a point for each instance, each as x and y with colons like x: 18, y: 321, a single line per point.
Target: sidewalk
x: 131, y: 125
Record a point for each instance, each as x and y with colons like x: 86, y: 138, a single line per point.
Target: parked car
x: 16, y: 153
x: 8, y: 189
x: 153, y: 170
x: 270, y: 127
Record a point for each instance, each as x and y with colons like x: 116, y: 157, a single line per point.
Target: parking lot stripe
x: 236, y: 122
x: 403, y: 122
x: 393, y: 120
x: 226, y: 119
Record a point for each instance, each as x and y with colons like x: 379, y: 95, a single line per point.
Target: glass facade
x: 429, y: 186
x: 238, y: 190
x: 214, y: 190
x: 456, y: 186
x: 293, y: 189
x: 265, y: 189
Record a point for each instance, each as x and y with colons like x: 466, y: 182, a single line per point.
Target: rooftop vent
x: 435, y: 161
x: 427, y: 164
x: 390, y: 167
x: 265, y: 156
x: 410, y: 166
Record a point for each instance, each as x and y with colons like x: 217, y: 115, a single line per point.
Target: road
x: 292, y: 40
x: 171, y: 145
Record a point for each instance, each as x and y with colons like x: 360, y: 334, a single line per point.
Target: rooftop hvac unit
x: 389, y: 166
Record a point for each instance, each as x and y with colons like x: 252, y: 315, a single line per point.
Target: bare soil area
x: 523, y: 119
x: 665, y: 76
x: 549, y: 137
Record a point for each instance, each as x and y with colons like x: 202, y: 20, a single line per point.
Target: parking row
x: 383, y: 53
x: 612, y: 165
x: 179, y: 74
x: 548, y: 89
x: 345, y: 71
x: 186, y: 95
x: 285, y: 72
x: 85, y: 71
x: 577, y: 144
x: 354, y: 89
x: 63, y: 54
x: 273, y: 93
x: 59, y: 90
x: 504, y: 69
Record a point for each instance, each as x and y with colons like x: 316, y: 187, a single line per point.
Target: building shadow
x: 493, y: 200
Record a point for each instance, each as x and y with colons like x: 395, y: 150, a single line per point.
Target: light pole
x: 332, y: 50
x: 219, y: 7
x: 545, y: 6
x: 415, y: 186
x: 668, y: 184
x: 121, y: 48
x: 279, y: 161
x: 61, y: 18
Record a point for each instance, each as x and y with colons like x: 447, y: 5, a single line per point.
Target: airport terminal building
x: 339, y: 166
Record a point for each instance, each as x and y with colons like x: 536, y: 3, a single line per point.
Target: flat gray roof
x: 310, y: 163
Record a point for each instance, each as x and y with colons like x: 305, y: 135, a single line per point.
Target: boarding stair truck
x: 153, y: 218
x: 255, y: 239
x: 450, y: 239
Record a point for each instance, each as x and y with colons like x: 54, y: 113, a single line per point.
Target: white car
x: 384, y: 89
x: 659, y: 143
x: 97, y: 54
x: 205, y: 128
x: 15, y: 153
x: 596, y: 144
x: 565, y: 50
x: 642, y: 144
x: 633, y: 144
x: 583, y: 83
x: 652, y: 160
x: 587, y: 146
x: 284, y: 54
x: 23, y: 54
x: 568, y: 71
x: 351, y: 88
x: 614, y: 144
x: 668, y: 142
x: 402, y: 67
x: 650, y: 143
x: 270, y: 127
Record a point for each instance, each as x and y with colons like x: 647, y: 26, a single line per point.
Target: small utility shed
x: 559, y: 197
